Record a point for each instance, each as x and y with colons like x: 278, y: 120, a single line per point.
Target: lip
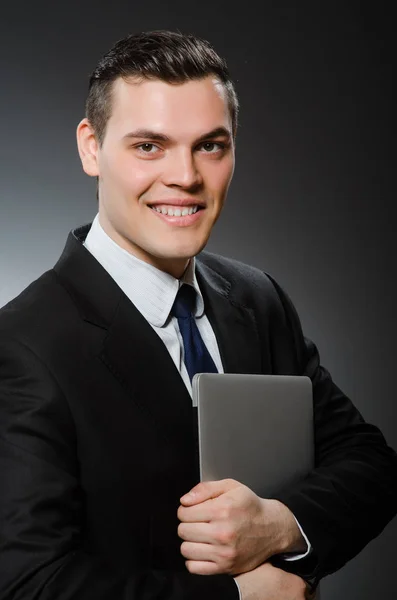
x: 178, y: 202
x: 179, y: 221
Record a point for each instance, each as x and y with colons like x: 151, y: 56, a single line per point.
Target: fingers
x: 201, y: 513
x: 206, y: 559
x: 222, y: 537
x: 211, y: 500
x: 207, y: 490
x: 198, y: 552
x: 202, y: 567
x: 197, y: 532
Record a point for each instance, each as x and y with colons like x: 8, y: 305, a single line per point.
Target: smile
x: 175, y: 211
x: 178, y: 216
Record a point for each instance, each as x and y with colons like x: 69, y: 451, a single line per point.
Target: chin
x: 184, y: 251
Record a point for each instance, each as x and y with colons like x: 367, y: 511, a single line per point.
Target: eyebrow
x: 161, y: 137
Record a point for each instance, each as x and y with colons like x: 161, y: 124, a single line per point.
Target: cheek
x: 131, y: 175
x: 138, y: 180
x: 219, y: 179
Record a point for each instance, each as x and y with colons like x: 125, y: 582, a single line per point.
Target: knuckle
x: 226, y: 535
x: 228, y: 499
x: 214, y: 570
x: 200, y: 487
x: 232, y: 482
x: 224, y: 513
x: 229, y: 554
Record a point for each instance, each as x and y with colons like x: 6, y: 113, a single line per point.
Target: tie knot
x: 184, y: 302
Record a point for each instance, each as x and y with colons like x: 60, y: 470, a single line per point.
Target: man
x: 98, y: 462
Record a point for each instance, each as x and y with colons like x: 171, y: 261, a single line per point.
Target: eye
x: 212, y: 147
x: 147, y: 148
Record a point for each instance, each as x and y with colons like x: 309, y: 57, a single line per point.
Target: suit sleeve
x: 351, y: 495
x: 42, y: 504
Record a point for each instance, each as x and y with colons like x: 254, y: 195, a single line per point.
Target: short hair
x: 170, y: 56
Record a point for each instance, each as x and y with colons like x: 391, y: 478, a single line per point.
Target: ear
x: 88, y: 148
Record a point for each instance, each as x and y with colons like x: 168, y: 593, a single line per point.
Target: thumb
x: 208, y: 489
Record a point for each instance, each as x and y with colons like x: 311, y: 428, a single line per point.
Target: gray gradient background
x: 312, y: 198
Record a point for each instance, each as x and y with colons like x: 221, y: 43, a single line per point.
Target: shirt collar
x: 151, y: 290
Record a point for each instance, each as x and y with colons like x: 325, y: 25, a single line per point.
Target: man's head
x: 161, y: 117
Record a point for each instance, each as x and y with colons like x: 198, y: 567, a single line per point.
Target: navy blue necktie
x: 197, y: 357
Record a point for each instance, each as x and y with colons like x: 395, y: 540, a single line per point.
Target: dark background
x: 312, y: 201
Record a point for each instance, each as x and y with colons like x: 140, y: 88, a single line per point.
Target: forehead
x: 184, y: 109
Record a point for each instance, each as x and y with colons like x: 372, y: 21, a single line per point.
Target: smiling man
x: 98, y: 459
x: 164, y: 167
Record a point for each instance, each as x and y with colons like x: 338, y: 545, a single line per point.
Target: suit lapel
x: 129, y: 348
x: 135, y: 354
x: 138, y: 358
x: 233, y: 324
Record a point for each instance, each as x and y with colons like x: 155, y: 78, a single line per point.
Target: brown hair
x: 166, y: 55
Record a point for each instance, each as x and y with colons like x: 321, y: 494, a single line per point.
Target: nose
x: 180, y: 170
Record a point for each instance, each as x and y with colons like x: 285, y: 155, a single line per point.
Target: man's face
x: 164, y: 168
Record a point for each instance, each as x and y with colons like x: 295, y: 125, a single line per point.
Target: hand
x: 269, y: 583
x: 227, y: 528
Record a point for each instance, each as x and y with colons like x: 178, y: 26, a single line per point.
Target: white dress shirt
x: 153, y: 293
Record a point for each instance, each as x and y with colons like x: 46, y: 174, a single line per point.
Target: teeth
x: 176, y: 212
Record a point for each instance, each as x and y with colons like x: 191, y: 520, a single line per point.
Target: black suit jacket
x: 97, y: 437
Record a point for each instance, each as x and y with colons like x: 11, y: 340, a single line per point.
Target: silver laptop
x: 257, y: 429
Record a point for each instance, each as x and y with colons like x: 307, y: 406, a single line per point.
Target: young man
x: 97, y: 450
